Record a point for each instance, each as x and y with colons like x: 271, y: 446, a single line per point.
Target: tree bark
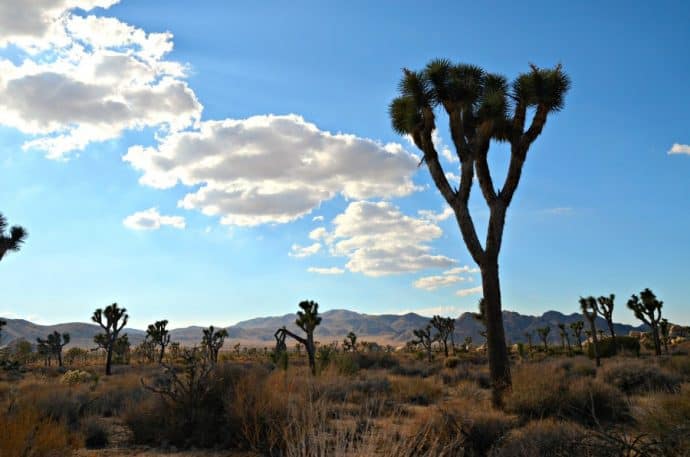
x: 310, y: 353
x: 109, y: 359
x: 657, y: 343
x: 595, y: 341
x: 499, y: 363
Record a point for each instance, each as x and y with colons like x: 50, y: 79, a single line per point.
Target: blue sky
x: 109, y: 127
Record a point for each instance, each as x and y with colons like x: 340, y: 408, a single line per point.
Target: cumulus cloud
x: 87, y: 79
x: 272, y: 169
x: 436, y: 217
x: 434, y: 282
x: 317, y: 219
x: 678, y: 148
x: 151, y: 219
x: 304, y: 251
x: 460, y: 270
x: 379, y: 240
x: 326, y: 271
x: 470, y: 291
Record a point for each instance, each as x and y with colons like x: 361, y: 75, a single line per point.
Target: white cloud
x: 151, y: 219
x: 678, y: 148
x: 304, y: 251
x: 558, y: 211
x: 434, y: 282
x: 87, y: 79
x: 317, y: 219
x: 379, y: 240
x: 272, y: 169
x: 442, y: 310
x: 470, y: 291
x: 436, y: 217
x: 326, y: 271
x: 460, y: 270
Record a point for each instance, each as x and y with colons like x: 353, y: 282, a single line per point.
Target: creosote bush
x: 544, y: 438
x: 634, y: 377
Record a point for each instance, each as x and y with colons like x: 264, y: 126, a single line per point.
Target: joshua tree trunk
x: 499, y: 363
x: 595, y: 341
x: 445, y: 348
x: 657, y: 342
x: 160, y: 358
x: 452, y: 343
x: 310, y: 353
x: 109, y: 359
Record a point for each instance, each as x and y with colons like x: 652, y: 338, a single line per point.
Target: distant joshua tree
x: 481, y: 108
x: 605, y: 308
x: 648, y: 309
x: 160, y: 336
x: 2, y: 324
x: 424, y: 339
x: 565, y: 337
x: 589, y: 310
x: 12, y: 241
x: 350, y: 342
x: 445, y: 327
x: 212, y: 341
x: 528, y: 337
x: 115, y: 320
x: 307, y: 319
x: 53, y: 344
x: 665, y: 329
x: 577, y: 327
x: 543, y: 333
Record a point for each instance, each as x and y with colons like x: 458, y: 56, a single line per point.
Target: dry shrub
x: 546, y: 390
x: 666, y: 419
x: 28, y: 433
x: 417, y: 391
x: 636, y: 376
x: 546, y: 438
x: 679, y: 364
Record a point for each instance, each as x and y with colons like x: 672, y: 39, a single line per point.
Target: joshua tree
x: 307, y: 319
x: 121, y: 350
x: 159, y: 335
x: 565, y: 338
x: 664, y: 329
x: 528, y: 337
x: 43, y: 349
x: 115, y: 320
x: 350, y: 342
x: 605, y: 308
x: 589, y: 310
x: 577, y: 330
x: 424, y: 339
x: 2, y: 324
x: 467, y: 344
x: 53, y: 345
x: 445, y: 326
x: 543, y: 333
x: 12, y: 241
x: 481, y: 107
x: 648, y: 309
x: 212, y: 341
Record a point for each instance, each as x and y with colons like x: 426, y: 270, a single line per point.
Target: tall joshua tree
x: 423, y: 338
x: 13, y: 240
x: 115, y: 320
x: 307, y: 319
x: 565, y: 338
x: 648, y: 309
x: 212, y: 341
x: 445, y: 326
x: 589, y: 310
x: 56, y: 341
x: 577, y: 327
x: 605, y: 308
x: 350, y: 342
x: 543, y: 333
x: 159, y: 335
x: 481, y: 107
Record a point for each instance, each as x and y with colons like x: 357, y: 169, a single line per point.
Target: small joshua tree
x: 350, y: 342
x: 53, y: 344
x: 589, y: 310
x: 565, y: 338
x: 424, y: 339
x: 665, y: 329
x: 445, y: 327
x: 115, y: 320
x: 648, y: 309
x: 2, y: 324
x: 543, y: 333
x: 605, y: 308
x: 212, y: 341
x: 577, y: 327
x: 121, y: 350
x: 307, y: 319
x: 160, y: 336
x: 12, y: 241
x: 43, y: 349
x: 467, y: 344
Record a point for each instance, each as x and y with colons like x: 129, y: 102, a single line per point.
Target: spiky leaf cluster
x: 13, y: 240
x: 646, y: 307
x: 308, y: 317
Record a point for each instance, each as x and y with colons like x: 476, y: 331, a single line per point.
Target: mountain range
x: 393, y: 329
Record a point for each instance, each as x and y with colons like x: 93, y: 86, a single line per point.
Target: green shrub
x: 346, y: 364
x: 633, y: 377
x: 623, y: 345
x: 544, y: 438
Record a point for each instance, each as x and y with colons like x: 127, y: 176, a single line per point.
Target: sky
x: 215, y: 162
